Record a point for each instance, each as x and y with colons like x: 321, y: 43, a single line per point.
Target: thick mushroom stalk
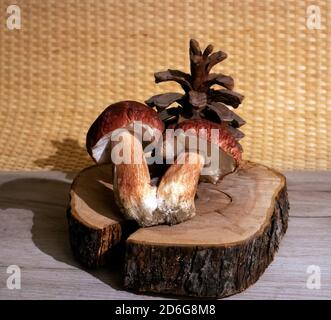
x: 134, y: 194
x: 178, y: 187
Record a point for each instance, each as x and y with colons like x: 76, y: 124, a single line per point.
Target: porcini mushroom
x: 133, y: 192
x: 172, y: 201
x: 214, y: 141
x: 119, y: 115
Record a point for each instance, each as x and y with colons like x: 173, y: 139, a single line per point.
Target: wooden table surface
x: 33, y: 235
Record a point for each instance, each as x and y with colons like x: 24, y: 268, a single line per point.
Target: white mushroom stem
x: 178, y: 187
x: 132, y: 189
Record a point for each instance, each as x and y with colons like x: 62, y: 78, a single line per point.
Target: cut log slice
x: 221, y: 251
x: 96, y: 226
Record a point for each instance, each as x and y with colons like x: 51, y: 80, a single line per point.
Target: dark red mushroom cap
x: 119, y: 115
x: 226, y: 140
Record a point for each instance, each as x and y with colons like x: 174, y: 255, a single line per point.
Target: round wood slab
x: 221, y: 251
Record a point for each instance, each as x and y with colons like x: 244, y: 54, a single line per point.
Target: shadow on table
x: 69, y: 156
x: 47, y: 199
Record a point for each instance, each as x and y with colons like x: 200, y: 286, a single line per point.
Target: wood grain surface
x: 34, y: 236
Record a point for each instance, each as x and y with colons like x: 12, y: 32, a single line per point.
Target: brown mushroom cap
x: 223, y: 152
x: 226, y: 141
x: 119, y: 115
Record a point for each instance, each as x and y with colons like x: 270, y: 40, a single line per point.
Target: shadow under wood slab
x: 221, y: 251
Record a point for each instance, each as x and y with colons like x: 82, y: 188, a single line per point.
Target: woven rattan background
x: 72, y: 58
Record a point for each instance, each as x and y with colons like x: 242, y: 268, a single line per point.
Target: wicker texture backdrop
x: 73, y: 58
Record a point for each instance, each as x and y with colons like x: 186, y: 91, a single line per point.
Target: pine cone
x: 200, y: 100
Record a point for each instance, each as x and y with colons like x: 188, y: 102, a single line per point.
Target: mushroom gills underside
x: 212, y: 172
x: 102, y: 151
